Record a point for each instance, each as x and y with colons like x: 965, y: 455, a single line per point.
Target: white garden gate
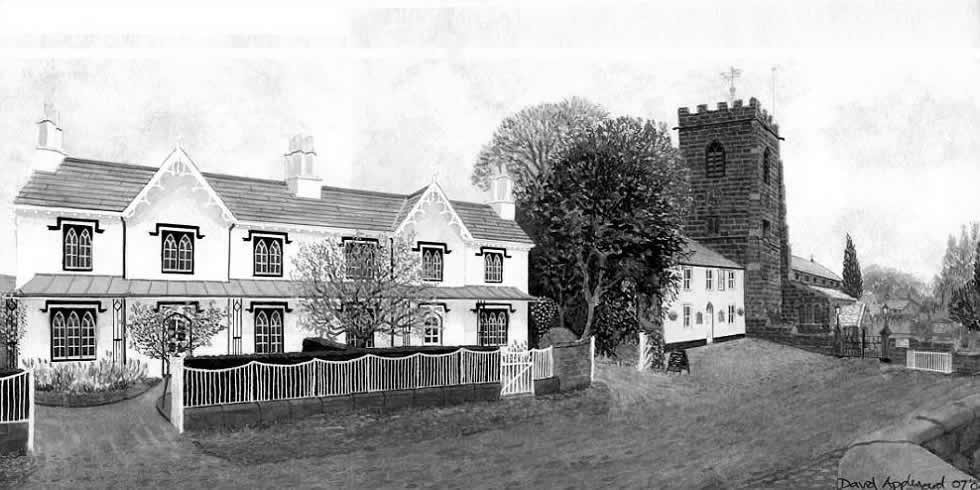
x: 516, y: 373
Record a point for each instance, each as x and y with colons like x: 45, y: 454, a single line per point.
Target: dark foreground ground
x: 752, y: 415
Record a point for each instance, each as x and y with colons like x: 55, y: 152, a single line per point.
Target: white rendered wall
x: 699, y: 297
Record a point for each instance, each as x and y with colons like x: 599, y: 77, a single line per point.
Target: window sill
x: 79, y: 269
x: 177, y: 272
x: 74, y: 359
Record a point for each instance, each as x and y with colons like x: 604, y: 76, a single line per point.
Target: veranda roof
x: 98, y: 286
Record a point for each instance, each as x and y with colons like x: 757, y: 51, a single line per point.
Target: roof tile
x: 107, y: 186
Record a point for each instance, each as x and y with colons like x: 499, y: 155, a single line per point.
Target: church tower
x: 736, y: 176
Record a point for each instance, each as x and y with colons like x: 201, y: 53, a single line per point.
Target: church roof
x: 696, y: 253
x: 830, y: 292
x: 810, y: 267
x: 107, y: 186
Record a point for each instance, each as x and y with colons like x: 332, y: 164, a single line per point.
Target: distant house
x: 812, y: 296
x: 710, y: 303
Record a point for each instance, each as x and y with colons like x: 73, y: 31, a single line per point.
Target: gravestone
x: 678, y: 362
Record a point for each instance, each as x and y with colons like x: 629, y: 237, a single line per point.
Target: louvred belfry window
x: 714, y: 160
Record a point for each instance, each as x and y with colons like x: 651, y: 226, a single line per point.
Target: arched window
x: 72, y: 334
x: 765, y: 166
x: 275, y: 258
x: 714, y: 160
x: 268, y: 330
x: 261, y: 257
x: 87, y: 335
x: 169, y: 253
x: 432, y: 330
x: 493, y: 266
x: 432, y: 264
x: 73, y: 329
x: 85, y: 249
x: 492, y: 327
x: 71, y: 249
x: 185, y: 253
x: 58, y: 336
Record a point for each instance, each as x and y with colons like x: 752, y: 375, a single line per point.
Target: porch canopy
x: 100, y: 286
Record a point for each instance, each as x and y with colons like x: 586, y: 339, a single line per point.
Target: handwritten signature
x: 909, y: 483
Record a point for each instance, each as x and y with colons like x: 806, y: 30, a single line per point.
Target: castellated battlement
x: 724, y: 114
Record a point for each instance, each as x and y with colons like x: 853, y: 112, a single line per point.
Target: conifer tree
x: 853, y: 284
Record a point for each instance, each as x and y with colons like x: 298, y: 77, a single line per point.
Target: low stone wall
x: 13, y: 438
x: 820, y: 344
x: 251, y: 414
x: 928, y: 447
x: 573, y: 364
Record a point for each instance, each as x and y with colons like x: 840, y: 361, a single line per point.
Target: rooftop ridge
x: 246, y: 178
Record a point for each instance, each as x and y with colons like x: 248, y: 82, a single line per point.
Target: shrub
x: 86, y: 377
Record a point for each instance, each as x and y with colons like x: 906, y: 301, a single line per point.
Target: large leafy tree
x: 527, y: 143
x: 360, y: 287
x: 853, y: 284
x: 957, y: 265
x: 608, y: 213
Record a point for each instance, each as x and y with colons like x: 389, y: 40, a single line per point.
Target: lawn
x: 749, y: 407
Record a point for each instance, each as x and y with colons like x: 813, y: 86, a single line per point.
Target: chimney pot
x: 300, y: 166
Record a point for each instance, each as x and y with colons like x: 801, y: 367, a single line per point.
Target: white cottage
x: 93, y: 237
x: 710, y: 304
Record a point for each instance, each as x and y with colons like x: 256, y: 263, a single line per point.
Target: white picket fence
x: 259, y: 382
x: 544, y: 363
x: 17, y: 402
x: 940, y: 362
x: 262, y: 382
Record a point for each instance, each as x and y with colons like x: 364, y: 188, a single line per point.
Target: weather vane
x: 730, y: 76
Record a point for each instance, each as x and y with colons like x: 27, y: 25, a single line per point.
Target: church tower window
x: 714, y: 160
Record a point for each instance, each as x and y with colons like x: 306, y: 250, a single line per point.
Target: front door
x: 710, y: 324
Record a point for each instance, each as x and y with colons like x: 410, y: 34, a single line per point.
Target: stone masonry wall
x: 573, y: 365
x: 740, y: 200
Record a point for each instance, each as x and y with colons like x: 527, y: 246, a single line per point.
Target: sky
x: 877, y: 101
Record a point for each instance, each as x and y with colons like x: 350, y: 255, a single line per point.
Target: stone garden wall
x: 251, y: 414
x: 927, y: 447
x: 573, y: 364
x: 13, y: 438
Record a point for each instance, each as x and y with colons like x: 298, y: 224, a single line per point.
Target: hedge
x: 6, y: 372
x: 227, y: 361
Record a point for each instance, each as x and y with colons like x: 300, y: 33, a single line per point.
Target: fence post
x: 30, y: 411
x: 885, y: 334
x: 592, y: 359
x: 641, y: 359
x: 177, y: 392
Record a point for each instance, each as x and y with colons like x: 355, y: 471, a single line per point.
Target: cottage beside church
x: 94, y: 237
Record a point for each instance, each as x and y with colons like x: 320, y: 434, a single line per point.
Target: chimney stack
x: 300, y: 164
x: 502, y: 193
x: 49, y: 152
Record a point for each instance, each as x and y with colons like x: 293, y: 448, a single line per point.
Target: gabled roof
x: 810, y: 267
x: 107, y: 186
x: 697, y: 254
x: 829, y: 292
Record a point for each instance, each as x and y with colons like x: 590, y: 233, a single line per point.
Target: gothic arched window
x: 714, y: 160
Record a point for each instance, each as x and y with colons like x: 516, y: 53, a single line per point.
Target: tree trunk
x: 590, y: 314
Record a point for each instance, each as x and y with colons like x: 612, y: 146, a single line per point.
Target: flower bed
x: 82, y: 384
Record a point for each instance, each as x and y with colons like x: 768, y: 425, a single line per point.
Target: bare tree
x: 360, y: 286
x: 158, y: 333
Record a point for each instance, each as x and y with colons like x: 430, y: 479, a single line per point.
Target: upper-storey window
x: 268, y: 256
x: 178, y: 251
x: 432, y: 263
x: 765, y: 166
x: 77, y: 247
x: 360, y: 257
x: 731, y: 279
x: 687, y: 278
x: 493, y: 266
x: 714, y: 160
x: 709, y: 283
